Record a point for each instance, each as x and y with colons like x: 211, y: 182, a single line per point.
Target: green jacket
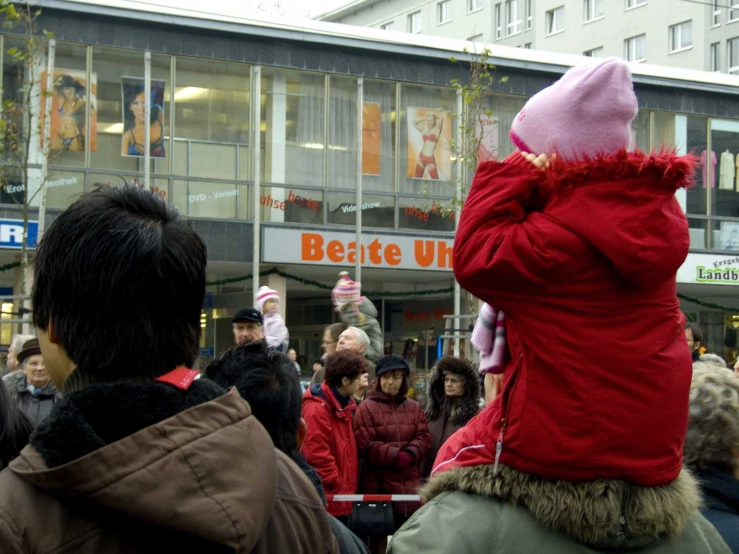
x: 470, y: 511
x: 366, y: 320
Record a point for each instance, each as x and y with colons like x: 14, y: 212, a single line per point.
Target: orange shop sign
x: 295, y: 246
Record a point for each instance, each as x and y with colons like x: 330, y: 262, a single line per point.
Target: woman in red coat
x: 329, y: 444
x: 392, y: 437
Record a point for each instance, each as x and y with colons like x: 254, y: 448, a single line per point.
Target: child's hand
x: 541, y: 162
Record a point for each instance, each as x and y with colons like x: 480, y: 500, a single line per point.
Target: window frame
x: 589, y: 9
x: 627, y: 48
x: 498, y: 14
x: 732, y: 70
x: 443, y: 8
x: 474, y: 5
x: 550, y: 18
x: 676, y: 36
x: 734, y: 12
x: 714, y: 61
x: 529, y: 15
x: 589, y: 53
x: 512, y: 18
x: 389, y: 26
x: 633, y: 4
x: 716, y: 14
x: 411, y: 18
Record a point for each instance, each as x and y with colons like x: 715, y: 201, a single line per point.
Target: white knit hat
x: 264, y: 294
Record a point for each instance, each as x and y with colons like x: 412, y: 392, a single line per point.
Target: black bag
x: 372, y: 518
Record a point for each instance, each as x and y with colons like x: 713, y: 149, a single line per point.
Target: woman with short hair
x: 712, y: 447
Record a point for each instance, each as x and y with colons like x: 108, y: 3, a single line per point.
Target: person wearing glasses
x: 32, y: 388
x: 329, y: 343
x: 453, y: 400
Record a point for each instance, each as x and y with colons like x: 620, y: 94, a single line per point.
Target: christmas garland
x: 707, y: 304
x: 11, y: 265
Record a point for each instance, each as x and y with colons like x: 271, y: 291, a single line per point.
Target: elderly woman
x: 329, y: 444
x: 712, y: 446
x: 14, y: 428
x: 31, y: 388
x: 392, y: 439
x: 453, y: 400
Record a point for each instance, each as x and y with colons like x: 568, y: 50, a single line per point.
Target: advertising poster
x: 135, y: 121
x: 729, y: 235
x: 70, y: 95
x: 486, y: 131
x: 429, y: 154
x: 371, y: 138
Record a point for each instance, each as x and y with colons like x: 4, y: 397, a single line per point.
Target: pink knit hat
x: 345, y: 291
x: 264, y: 294
x: 587, y: 112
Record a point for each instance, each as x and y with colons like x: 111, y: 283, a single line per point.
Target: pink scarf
x: 488, y: 337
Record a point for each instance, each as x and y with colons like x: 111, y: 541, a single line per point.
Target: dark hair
x: 344, y: 364
x: 697, y: 333
x: 65, y: 81
x: 130, y: 92
x: 319, y: 362
x: 122, y: 278
x: 15, y: 428
x: 267, y: 380
x: 335, y: 329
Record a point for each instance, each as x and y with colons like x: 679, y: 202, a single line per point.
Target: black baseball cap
x: 248, y: 314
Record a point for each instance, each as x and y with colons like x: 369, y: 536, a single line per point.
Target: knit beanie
x: 345, y: 291
x: 264, y: 294
x: 587, y: 112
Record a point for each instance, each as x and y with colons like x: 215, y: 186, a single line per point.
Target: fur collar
x: 605, y: 513
x: 662, y: 169
x: 460, y: 411
x: 95, y: 416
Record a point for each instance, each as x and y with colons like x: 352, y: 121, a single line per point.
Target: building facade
x: 208, y: 103
x: 676, y: 33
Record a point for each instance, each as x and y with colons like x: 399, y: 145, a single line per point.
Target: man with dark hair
x: 139, y: 456
x: 247, y: 325
x: 694, y: 336
x: 267, y: 380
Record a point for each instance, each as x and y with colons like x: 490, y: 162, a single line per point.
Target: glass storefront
x: 201, y: 151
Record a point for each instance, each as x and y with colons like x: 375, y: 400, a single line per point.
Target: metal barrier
x: 373, y: 497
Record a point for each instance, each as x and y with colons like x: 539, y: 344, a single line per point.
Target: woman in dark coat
x: 392, y: 438
x: 453, y: 400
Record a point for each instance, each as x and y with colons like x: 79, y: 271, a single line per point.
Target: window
x: 476, y: 38
x: 474, y: 5
x: 513, y: 19
x: 635, y: 48
x: 527, y: 46
x: 634, y: 3
x: 555, y: 20
x: 681, y: 36
x: 498, y: 23
x: 414, y: 22
x: 444, y: 11
x: 529, y: 15
x: 733, y: 55
x: 715, y: 62
x: 716, y: 13
x: 594, y: 53
x: 388, y: 26
x: 734, y: 11
x: 594, y: 9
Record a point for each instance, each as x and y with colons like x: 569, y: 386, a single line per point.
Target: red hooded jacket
x: 329, y: 445
x: 582, y: 259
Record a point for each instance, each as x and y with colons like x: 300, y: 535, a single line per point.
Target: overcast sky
x: 246, y: 8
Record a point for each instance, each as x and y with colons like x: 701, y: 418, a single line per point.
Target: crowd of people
x: 595, y: 422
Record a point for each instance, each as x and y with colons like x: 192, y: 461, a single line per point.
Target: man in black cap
x: 247, y: 326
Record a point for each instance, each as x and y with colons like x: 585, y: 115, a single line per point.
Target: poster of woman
x: 429, y: 154
x: 135, y: 120
x: 486, y: 132
x: 70, y: 95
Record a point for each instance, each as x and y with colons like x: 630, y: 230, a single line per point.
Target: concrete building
x: 677, y: 33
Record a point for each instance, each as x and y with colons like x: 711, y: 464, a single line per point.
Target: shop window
x: 293, y: 122
x: 725, y: 190
x: 63, y: 188
x: 377, y: 211
x: 212, y: 103
x: 159, y: 186
x: 726, y: 235
x: 427, y: 127
x: 378, y: 134
x: 688, y: 134
x: 426, y: 214
x: 698, y: 233
x: 290, y: 205
x: 211, y: 200
x: 120, y: 81
x: 640, y: 131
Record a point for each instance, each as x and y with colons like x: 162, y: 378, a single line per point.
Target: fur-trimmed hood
x: 462, y: 410
x: 606, y: 514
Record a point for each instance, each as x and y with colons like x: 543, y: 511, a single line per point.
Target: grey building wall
x: 653, y: 19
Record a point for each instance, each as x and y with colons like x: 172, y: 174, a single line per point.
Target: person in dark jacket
x: 268, y: 382
x: 694, y: 338
x: 712, y: 447
x: 31, y: 388
x: 329, y: 445
x: 14, y: 428
x: 392, y: 438
x: 453, y: 400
